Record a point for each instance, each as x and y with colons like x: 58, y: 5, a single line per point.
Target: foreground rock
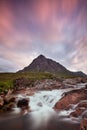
x: 1, y: 102
x: 23, y: 104
x: 83, y: 125
x: 47, y: 84
x: 74, y: 81
x: 21, y: 83
x: 71, y: 97
x: 80, y: 109
x: 75, y: 100
x: 7, y: 102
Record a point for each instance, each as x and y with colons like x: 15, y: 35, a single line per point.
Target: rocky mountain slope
x: 43, y: 64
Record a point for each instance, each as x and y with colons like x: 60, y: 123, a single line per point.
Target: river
x: 42, y: 115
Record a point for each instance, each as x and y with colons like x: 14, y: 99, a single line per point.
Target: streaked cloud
x: 57, y: 29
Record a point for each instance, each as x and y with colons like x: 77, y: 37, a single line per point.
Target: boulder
x: 8, y: 107
x: 30, y: 93
x: 74, y: 81
x: 83, y: 125
x: 77, y: 112
x: 86, y: 86
x: 9, y: 99
x: 21, y: 83
x: 7, y: 102
x: 47, y: 84
x: 1, y: 102
x: 83, y: 104
x: 23, y: 103
x: 80, y: 110
x: 71, y: 97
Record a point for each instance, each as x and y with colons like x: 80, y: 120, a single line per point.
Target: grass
x: 6, y: 79
x: 5, y: 85
x: 30, y: 75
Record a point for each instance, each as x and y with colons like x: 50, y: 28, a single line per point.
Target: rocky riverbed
x: 51, y: 104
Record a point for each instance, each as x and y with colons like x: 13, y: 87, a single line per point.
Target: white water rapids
x: 41, y: 105
x: 43, y: 100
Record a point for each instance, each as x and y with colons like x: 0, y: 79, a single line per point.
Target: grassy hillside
x: 30, y: 75
x: 6, y: 79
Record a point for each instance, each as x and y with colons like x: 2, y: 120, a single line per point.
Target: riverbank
x: 36, y: 109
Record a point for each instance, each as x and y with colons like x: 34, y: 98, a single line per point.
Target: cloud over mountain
x: 55, y: 28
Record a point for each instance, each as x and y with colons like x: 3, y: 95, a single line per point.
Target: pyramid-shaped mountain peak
x: 43, y: 64
x: 41, y: 57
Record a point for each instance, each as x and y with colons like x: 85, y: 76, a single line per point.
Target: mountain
x: 43, y: 64
x: 79, y: 73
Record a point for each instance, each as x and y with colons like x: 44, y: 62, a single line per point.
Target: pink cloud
x: 46, y: 22
x: 79, y: 61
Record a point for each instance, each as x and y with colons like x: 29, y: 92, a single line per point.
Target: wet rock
x: 80, y: 110
x: 23, y: 103
x: 83, y: 104
x: 47, y: 84
x: 84, y: 114
x: 86, y: 86
x: 70, y: 81
x: 21, y: 83
x: 9, y: 99
x: 1, y: 102
x: 83, y: 125
x: 71, y: 97
x: 77, y: 112
x: 74, y: 81
x: 7, y: 102
x: 40, y: 104
x: 30, y: 93
x: 8, y: 107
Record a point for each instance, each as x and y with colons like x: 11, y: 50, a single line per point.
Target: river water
x: 42, y: 115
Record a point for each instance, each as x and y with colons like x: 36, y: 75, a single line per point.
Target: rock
x: 30, y: 93
x: 86, y: 86
x: 77, y: 112
x: 1, y: 102
x: 84, y: 114
x: 20, y: 83
x: 71, y: 97
x: 8, y: 107
x: 83, y: 125
x: 80, y: 110
x: 40, y: 104
x: 9, y: 99
x: 47, y: 84
x: 9, y: 92
x: 74, y: 81
x: 83, y: 104
x: 23, y: 103
x: 70, y: 81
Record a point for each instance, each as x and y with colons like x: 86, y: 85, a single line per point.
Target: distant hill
x: 43, y: 64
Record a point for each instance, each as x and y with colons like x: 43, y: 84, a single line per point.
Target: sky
x: 54, y: 28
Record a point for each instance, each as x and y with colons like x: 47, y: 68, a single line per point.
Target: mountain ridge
x: 43, y: 64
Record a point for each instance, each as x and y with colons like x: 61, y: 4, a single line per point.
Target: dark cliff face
x: 43, y: 64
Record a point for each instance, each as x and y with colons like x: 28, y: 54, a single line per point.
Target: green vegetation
x: 65, y: 75
x: 29, y: 75
x: 5, y: 85
x: 6, y: 79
